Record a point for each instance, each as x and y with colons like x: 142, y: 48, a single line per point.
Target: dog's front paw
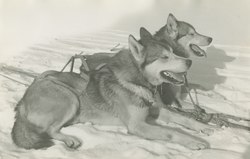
x: 72, y: 142
x: 197, y: 145
x: 208, y: 131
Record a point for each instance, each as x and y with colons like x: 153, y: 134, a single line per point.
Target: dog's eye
x: 192, y: 34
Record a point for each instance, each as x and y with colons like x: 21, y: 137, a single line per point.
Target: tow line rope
x: 219, y: 119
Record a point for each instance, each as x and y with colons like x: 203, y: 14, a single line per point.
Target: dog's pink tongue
x: 197, y: 50
x: 178, y: 76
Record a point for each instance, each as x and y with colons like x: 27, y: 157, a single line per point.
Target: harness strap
x: 75, y: 91
x: 188, y: 90
x: 84, y: 63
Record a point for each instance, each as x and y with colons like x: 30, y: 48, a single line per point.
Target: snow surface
x: 225, y: 71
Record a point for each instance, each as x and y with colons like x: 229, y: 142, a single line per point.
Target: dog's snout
x: 210, y: 40
x: 189, y: 63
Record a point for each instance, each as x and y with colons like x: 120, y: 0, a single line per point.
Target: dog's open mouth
x: 197, y: 50
x: 174, y: 78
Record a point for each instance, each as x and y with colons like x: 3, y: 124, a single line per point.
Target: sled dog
x: 120, y: 92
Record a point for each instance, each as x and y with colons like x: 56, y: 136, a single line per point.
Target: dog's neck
x: 163, y: 36
x: 130, y: 76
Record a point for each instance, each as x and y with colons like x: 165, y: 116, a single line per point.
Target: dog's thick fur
x: 121, y: 92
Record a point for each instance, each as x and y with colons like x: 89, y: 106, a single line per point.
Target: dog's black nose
x: 210, y: 40
x: 189, y: 63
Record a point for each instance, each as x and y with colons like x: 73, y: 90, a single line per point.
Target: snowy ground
x: 226, y: 70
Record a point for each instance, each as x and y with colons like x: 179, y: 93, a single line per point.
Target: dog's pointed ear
x: 145, y: 34
x: 135, y: 48
x: 172, y: 26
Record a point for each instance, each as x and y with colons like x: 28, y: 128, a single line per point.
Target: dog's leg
x: 170, y: 116
x: 53, y: 122
x: 70, y: 141
x: 137, y: 125
x: 54, y: 132
x: 54, y: 129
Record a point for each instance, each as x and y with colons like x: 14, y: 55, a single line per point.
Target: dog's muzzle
x: 197, y: 50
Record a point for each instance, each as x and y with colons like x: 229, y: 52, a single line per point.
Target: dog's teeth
x: 168, y: 74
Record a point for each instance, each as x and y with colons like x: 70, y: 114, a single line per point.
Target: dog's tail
x: 25, y: 135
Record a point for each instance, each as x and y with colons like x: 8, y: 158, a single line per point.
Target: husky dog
x: 120, y: 92
x: 182, y: 34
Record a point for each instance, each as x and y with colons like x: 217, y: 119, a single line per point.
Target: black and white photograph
x: 124, y: 79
